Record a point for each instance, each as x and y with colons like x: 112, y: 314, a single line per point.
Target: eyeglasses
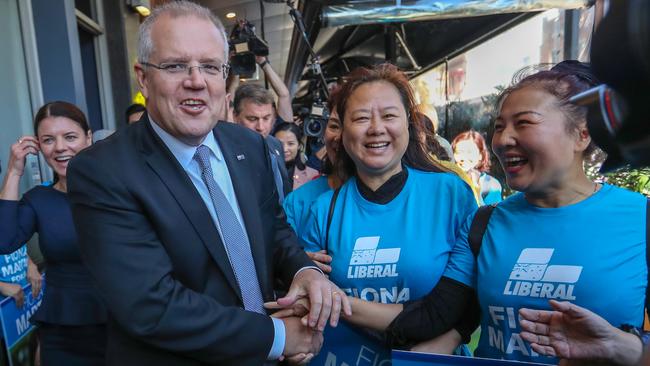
x: 179, y: 69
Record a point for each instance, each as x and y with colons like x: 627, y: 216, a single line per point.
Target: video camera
x: 315, y: 121
x: 246, y: 45
x: 619, y: 110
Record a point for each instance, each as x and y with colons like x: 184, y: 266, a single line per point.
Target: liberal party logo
x: 369, y: 262
x: 533, y: 276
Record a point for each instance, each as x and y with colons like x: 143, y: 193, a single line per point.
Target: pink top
x: 301, y: 177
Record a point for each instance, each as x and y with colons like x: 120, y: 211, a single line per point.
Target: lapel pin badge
x: 241, y: 157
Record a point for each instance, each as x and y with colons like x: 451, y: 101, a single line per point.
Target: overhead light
x: 231, y: 15
x: 141, y: 7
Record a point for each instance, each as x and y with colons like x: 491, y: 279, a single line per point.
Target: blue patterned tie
x: 234, y: 237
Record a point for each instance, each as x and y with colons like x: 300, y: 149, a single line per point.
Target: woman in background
x: 291, y: 136
x: 71, y: 319
x: 472, y: 155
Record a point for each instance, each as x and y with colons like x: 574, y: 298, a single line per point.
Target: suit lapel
x: 239, y: 168
x: 163, y: 163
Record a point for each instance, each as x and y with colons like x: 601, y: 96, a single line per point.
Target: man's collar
x: 183, y: 152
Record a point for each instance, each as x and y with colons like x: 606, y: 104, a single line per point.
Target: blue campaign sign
x: 15, y: 321
x: 346, y: 345
x: 404, y: 358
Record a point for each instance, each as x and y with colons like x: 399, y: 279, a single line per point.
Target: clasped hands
x: 311, y: 301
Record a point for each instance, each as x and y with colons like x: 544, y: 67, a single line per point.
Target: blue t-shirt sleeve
x: 462, y: 264
x: 311, y: 235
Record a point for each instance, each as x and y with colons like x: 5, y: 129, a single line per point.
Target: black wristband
x: 264, y: 63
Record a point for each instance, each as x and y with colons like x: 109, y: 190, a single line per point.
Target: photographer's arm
x: 284, y: 97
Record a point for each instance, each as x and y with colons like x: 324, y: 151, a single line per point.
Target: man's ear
x: 142, y: 81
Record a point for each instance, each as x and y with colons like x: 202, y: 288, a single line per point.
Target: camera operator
x: 247, y: 50
x: 283, y: 105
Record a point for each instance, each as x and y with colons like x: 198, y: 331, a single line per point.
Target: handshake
x: 312, y: 300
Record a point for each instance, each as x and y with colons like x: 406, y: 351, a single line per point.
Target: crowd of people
x: 200, y: 234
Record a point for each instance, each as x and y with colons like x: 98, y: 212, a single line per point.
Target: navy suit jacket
x: 155, y: 254
x: 276, y: 148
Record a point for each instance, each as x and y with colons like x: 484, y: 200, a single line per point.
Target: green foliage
x: 637, y: 180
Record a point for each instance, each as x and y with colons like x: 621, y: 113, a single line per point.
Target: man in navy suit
x: 253, y: 109
x: 179, y: 222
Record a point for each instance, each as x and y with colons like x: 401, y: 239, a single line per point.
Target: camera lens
x: 313, y: 127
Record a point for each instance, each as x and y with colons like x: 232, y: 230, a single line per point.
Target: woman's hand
x: 19, y: 151
x: 322, y: 260
x: 14, y: 290
x: 34, y: 277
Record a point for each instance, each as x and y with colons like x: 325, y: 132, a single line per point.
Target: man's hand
x: 301, y: 343
x: 325, y: 299
x: 322, y: 260
x: 300, y: 308
x: 577, y: 334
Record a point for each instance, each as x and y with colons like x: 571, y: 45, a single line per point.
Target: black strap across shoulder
x: 647, y: 261
x: 478, y: 227
x: 330, y: 214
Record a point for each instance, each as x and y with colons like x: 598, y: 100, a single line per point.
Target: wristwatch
x: 266, y: 61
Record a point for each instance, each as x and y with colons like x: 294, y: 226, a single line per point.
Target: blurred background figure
x: 71, y: 320
x: 101, y: 134
x: 134, y: 112
x: 291, y: 137
x: 473, y: 157
x: 253, y: 109
x: 298, y: 202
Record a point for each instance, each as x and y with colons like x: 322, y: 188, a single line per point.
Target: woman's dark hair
x: 563, y: 81
x: 479, y: 141
x: 415, y: 155
x: 327, y: 167
x: 61, y: 109
x: 431, y: 143
x: 297, y: 131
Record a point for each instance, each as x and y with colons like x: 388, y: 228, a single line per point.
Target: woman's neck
x: 374, y: 181
x: 61, y: 185
x: 573, y: 191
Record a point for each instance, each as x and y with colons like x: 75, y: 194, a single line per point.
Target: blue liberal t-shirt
x: 591, y: 253
x: 386, y: 253
x: 297, y: 203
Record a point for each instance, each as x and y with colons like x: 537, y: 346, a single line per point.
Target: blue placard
x: 346, y: 345
x: 404, y: 358
x: 15, y: 321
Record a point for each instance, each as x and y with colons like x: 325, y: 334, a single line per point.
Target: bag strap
x: 646, y: 324
x: 330, y: 214
x: 478, y: 227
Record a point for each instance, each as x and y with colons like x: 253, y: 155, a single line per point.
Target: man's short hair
x: 254, y: 93
x: 175, y: 9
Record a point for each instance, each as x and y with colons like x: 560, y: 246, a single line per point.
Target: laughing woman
x: 395, y: 221
x: 563, y: 237
x: 71, y: 319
